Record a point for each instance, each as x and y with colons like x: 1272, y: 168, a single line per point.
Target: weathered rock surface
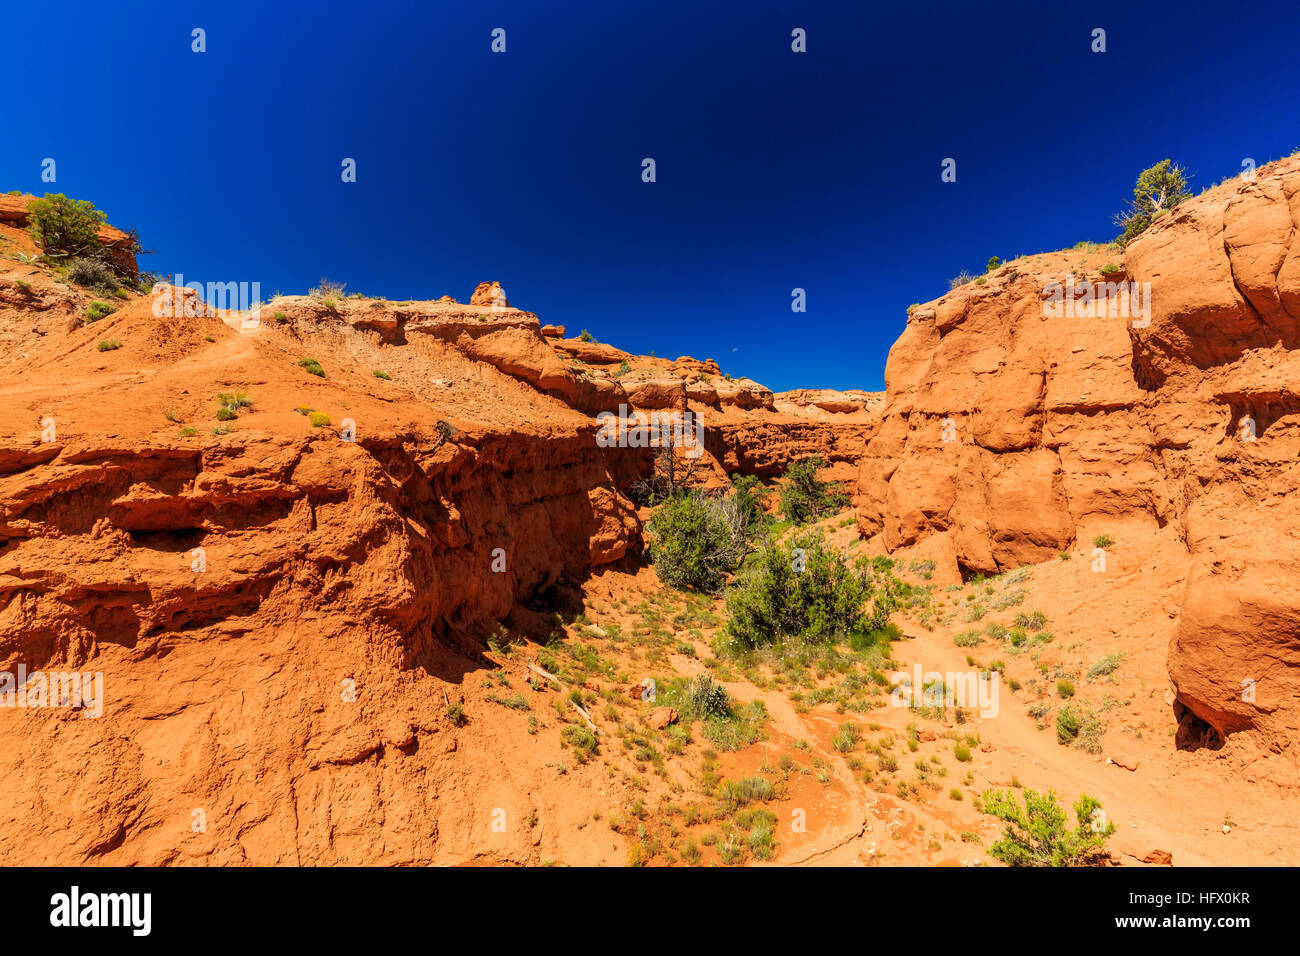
x: 1016, y: 433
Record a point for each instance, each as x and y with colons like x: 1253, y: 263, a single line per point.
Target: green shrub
x: 93, y: 274
x: 1065, y: 688
x: 97, y: 310
x: 1037, y: 834
x: 1067, y: 726
x: 318, y: 419
x: 961, y: 752
x: 994, y: 263
x: 225, y: 414
x: 312, y: 366
x: 109, y: 345
x: 804, y: 498
x: 188, y: 432
x: 1109, y: 269
x: 1034, y: 622
x: 585, y: 336
x: 582, y: 740
x: 847, y: 737
x: 696, y: 540
x: 967, y: 639
x: 1105, y: 666
x: 1158, y: 189
x: 770, y: 601
x: 70, y: 227
x: 379, y: 373
x: 703, y: 698
x: 1102, y: 541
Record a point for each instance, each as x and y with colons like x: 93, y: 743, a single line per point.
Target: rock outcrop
x: 1017, y: 424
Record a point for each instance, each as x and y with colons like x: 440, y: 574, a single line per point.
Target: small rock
x: 1127, y: 761
x: 643, y: 690
x: 661, y: 717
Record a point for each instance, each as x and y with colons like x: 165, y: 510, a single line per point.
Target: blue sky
x: 775, y: 170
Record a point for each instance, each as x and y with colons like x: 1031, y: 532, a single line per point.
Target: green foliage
x: 1037, y: 834
x: 582, y: 740
x: 60, y: 225
x: 225, y: 414
x: 696, y: 540
x: 1105, y: 666
x: 994, y: 263
x: 380, y: 373
x: 1065, y: 687
x: 312, y: 366
x: 1158, y: 189
x: 97, y: 310
x: 585, y: 336
x: 703, y: 698
x: 804, y: 498
x: 318, y: 419
x: 847, y: 737
x: 109, y: 345
x: 1067, y: 726
x: 771, y: 601
x: 1102, y: 541
x: 93, y: 274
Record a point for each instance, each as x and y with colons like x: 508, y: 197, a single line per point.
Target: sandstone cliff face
x: 1010, y: 433
x: 283, y: 609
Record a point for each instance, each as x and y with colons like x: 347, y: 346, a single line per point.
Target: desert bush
x: 1105, y: 666
x: 380, y: 373
x: 1065, y: 688
x: 960, y: 279
x: 1035, y: 621
x: 66, y: 227
x: 312, y: 366
x: 1158, y: 189
x: 696, y: 540
x: 109, y: 345
x: 319, y: 419
x: 582, y: 740
x: 703, y: 698
x: 804, y: 498
x: 1037, y: 834
x: 770, y: 601
x: 1102, y: 541
x: 97, y: 310
x: 93, y: 274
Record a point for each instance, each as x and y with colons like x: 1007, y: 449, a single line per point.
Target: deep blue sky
x: 776, y: 170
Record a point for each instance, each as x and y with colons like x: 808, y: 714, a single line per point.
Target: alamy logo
x: 1098, y: 300
x: 974, y: 690
x: 683, y: 430
x: 84, y: 692
x: 193, y: 299
x: 133, y: 910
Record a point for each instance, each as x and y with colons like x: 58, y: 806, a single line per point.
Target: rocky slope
x: 285, y: 605
x: 1013, y: 429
